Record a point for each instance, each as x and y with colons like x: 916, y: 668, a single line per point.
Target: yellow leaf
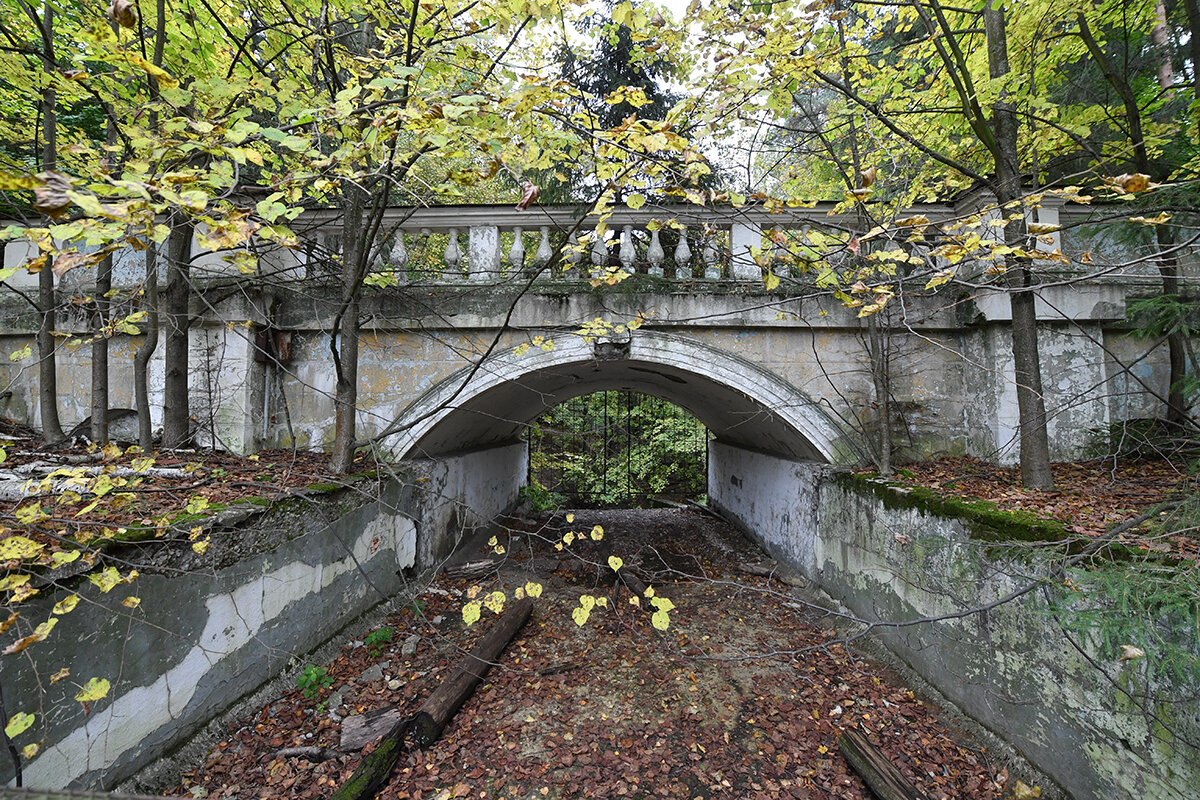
x: 580, y: 615
x: 164, y: 78
x: 569, y: 538
x: 66, y: 605
x: 200, y: 546
x: 30, y: 750
x: 587, y: 602
x: 635, y: 201
x: 635, y: 601
x: 494, y: 602
x: 770, y: 280
x: 19, y: 547
x: 597, y: 533
x: 533, y: 589
x: 822, y: 749
x: 131, y: 602
x: 474, y: 591
x: 1023, y: 792
x: 660, y: 620
x: 106, y: 579
x: 616, y: 563
x: 570, y: 518
x: 10, y: 582
x: 94, y: 689
x: 8, y: 623
x: 61, y: 674
x: 602, y: 602
x: 940, y: 278
x: 1129, y: 652
x: 17, y: 724
x: 471, y: 612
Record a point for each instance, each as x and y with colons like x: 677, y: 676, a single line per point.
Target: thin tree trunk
x: 176, y: 414
x: 47, y: 305
x: 141, y: 359
x: 344, y: 346
x: 1034, y: 438
x: 878, y: 344
x: 100, y: 352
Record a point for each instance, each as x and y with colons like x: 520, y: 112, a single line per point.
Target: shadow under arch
x: 738, y: 401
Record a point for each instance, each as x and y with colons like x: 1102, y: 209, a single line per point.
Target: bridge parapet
x: 480, y: 243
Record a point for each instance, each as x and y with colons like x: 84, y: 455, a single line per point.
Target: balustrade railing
x: 461, y: 244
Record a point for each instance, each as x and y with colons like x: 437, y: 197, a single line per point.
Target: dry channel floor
x: 742, y: 696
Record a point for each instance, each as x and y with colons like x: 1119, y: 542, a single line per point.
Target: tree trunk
x: 176, y: 414
x: 1035, y: 440
x: 425, y: 726
x: 100, y: 351
x: 47, y: 305
x: 141, y: 359
x: 344, y: 344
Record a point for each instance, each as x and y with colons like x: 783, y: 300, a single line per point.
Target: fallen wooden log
x: 424, y: 727
x: 882, y: 776
x: 313, y: 753
x: 362, y: 729
x: 472, y: 570
x: 771, y: 572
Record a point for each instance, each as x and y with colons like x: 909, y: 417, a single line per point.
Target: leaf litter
x: 742, y: 696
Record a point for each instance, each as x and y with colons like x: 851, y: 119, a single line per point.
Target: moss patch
x: 987, y: 520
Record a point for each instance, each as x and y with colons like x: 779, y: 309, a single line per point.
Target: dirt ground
x: 741, y: 696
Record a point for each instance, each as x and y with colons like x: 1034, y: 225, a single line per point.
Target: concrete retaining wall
x: 1012, y: 668
x: 213, y: 628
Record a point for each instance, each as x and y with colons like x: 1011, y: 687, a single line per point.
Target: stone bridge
x: 465, y: 343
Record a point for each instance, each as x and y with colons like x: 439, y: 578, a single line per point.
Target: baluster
x: 399, y: 255
x: 573, y: 256
x: 516, y: 256
x: 627, y: 253
x: 655, y: 255
x: 483, y: 252
x: 453, y: 257
x: 683, y: 258
x: 710, y: 254
x: 544, y: 251
x: 599, y: 256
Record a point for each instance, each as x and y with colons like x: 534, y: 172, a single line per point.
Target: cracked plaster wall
x: 201, y: 640
x: 1012, y: 669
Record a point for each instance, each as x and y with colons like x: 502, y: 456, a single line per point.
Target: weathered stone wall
x: 210, y: 629
x: 1012, y: 668
x: 952, y: 379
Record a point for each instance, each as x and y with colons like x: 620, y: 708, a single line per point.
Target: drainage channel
x: 743, y: 694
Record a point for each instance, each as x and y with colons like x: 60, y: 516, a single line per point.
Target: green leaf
x: 18, y: 724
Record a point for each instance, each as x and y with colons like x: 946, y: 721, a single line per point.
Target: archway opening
x: 616, y: 449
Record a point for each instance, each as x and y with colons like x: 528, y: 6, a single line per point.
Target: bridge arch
x: 739, y: 401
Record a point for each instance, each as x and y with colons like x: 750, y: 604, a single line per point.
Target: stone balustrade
x: 687, y: 242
